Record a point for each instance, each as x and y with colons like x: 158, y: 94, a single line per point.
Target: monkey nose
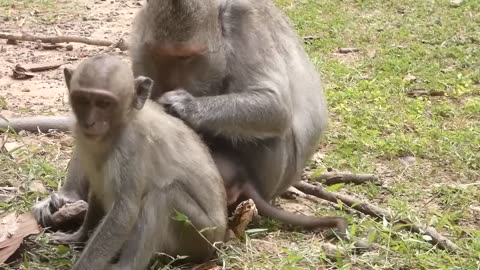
x: 89, y: 124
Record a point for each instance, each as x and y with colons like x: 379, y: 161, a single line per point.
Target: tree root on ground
x: 377, y: 212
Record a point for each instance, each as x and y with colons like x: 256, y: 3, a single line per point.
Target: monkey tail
x: 304, y: 221
x: 37, y: 123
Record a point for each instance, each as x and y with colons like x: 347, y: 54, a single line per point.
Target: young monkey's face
x: 95, y: 110
x: 104, y: 95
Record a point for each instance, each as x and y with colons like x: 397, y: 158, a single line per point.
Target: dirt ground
x: 46, y: 92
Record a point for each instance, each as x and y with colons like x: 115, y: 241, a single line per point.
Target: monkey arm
x: 258, y: 113
x: 111, y: 233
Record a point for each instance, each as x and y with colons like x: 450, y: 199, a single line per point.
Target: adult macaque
x: 142, y: 167
x: 236, y: 72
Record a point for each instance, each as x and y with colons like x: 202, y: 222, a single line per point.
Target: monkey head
x: 104, y: 94
x: 184, y: 40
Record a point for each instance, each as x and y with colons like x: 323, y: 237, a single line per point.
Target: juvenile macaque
x: 234, y: 71
x: 143, y: 168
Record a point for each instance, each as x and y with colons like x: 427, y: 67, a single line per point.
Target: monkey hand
x: 43, y: 210
x: 178, y: 103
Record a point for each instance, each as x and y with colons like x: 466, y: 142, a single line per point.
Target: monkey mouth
x: 91, y: 136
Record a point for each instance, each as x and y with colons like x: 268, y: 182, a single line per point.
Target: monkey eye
x: 103, y: 104
x: 184, y: 57
x: 81, y: 101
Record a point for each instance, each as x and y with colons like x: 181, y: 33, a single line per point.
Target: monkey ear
x: 143, y: 88
x: 68, y: 73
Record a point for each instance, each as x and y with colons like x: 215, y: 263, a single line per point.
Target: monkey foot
x: 69, y: 238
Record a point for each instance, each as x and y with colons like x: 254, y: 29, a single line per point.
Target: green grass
x: 404, y: 45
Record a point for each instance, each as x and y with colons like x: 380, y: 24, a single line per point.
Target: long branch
x: 376, y: 212
x: 61, y: 39
x: 331, y: 178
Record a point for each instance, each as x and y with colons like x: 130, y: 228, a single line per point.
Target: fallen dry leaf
x: 11, y: 147
x: 13, y: 229
x: 37, y: 186
x: 242, y: 216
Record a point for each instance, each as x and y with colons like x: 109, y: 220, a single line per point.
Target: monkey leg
x: 157, y: 231
x: 211, y: 221
x: 74, y: 189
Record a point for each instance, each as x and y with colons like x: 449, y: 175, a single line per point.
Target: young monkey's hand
x: 178, y: 103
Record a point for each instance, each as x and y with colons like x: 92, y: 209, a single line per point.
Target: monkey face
x: 104, y: 95
x: 95, y: 111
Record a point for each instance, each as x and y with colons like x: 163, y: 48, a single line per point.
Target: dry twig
x: 121, y: 44
x: 60, y: 39
x: 331, y: 178
x: 376, y: 212
x: 39, y: 67
x: 19, y: 73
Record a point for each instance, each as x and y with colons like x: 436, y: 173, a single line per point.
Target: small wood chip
x: 48, y: 47
x: 12, y: 42
x: 348, y: 50
x: 423, y: 92
x: 331, y: 251
x: 410, y: 78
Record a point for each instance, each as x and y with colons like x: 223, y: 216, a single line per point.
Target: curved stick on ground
x: 331, y: 178
x: 39, y: 123
x: 377, y: 212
